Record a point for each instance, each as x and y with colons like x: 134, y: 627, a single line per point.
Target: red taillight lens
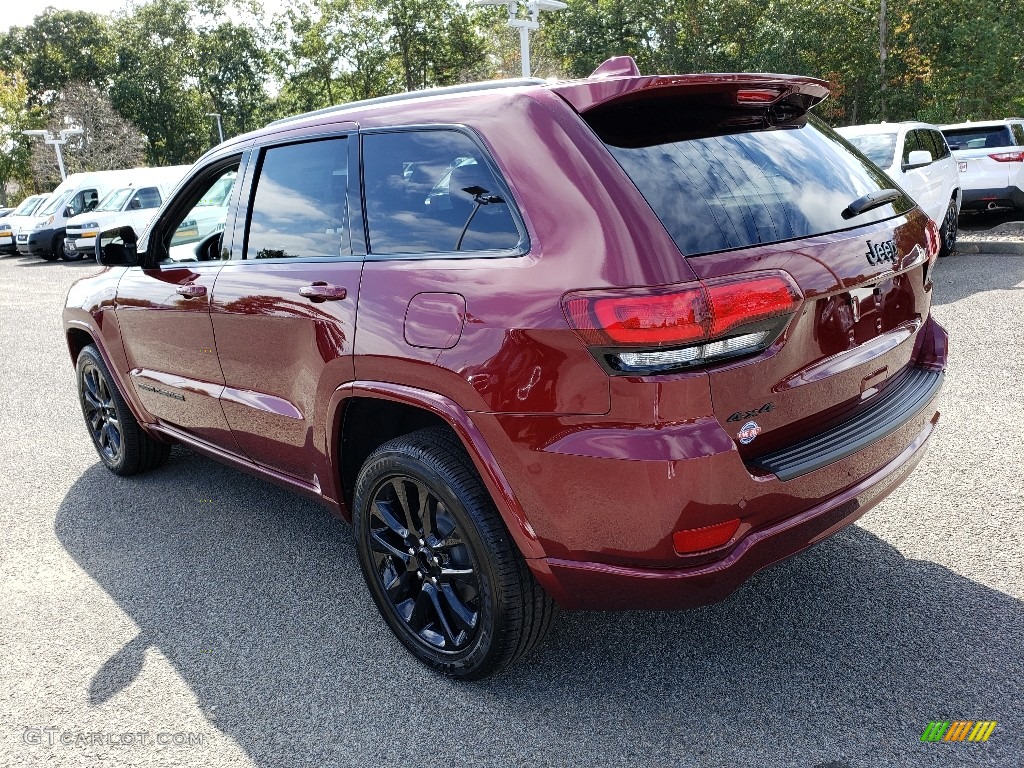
x: 1008, y: 157
x: 672, y: 318
x: 696, y: 539
x: 933, y: 241
x: 689, y: 325
x: 744, y: 301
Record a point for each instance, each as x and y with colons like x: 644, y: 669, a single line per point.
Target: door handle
x: 322, y: 291
x: 191, y: 290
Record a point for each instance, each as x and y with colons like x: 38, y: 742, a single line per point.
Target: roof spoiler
x: 619, y: 80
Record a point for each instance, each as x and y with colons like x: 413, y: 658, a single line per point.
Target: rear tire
x: 439, y: 562
x: 948, y: 230
x: 123, y: 446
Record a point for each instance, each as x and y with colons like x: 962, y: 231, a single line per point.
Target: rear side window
x: 299, y: 207
x: 941, y: 150
x: 978, y: 138
x: 147, y: 197
x: 432, y: 191
x: 733, y: 190
x: 1018, y: 133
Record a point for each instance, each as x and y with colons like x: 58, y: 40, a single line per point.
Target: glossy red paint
x: 592, y: 473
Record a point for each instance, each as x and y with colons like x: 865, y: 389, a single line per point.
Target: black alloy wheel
x: 100, y: 412
x: 123, y: 446
x: 948, y: 230
x: 425, y: 566
x: 438, y: 560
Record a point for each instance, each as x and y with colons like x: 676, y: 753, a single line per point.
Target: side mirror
x: 68, y: 213
x: 917, y: 158
x: 117, y: 247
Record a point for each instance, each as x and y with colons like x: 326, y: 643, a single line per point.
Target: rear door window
x: 299, y: 208
x: 432, y: 191
x: 734, y: 190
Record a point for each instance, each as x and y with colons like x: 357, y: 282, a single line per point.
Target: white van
x: 11, y: 223
x: 43, y: 236
x: 134, y: 204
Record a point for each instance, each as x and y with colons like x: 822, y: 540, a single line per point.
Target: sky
x: 20, y: 13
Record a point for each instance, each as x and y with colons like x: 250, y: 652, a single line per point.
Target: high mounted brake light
x: 656, y: 331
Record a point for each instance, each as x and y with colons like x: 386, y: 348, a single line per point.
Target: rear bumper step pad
x: 901, y: 403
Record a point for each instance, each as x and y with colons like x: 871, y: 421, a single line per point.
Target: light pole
x: 49, y: 138
x: 220, y: 128
x: 525, y: 25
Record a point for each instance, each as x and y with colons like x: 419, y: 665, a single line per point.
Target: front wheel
x: 948, y: 230
x: 438, y: 561
x: 124, y: 448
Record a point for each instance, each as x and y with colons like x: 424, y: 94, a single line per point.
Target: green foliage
x: 167, y: 63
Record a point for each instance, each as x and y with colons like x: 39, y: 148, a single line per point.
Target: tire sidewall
x: 379, y: 469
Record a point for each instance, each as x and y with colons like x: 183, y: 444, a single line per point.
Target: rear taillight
x: 656, y: 331
x: 1008, y: 157
x: 933, y: 241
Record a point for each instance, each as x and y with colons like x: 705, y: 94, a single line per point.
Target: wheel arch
x: 364, y: 415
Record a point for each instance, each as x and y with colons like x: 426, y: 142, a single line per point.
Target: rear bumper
x: 596, y: 586
x: 605, y: 502
x: 1002, y: 196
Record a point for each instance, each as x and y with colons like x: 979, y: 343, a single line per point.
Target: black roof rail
x: 486, y: 85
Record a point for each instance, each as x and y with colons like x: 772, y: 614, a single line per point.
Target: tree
x: 61, y: 47
x: 156, y: 82
x: 15, y: 117
x: 108, y: 141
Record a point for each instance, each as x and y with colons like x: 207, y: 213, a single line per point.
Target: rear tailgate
x: 980, y: 171
x: 748, y: 185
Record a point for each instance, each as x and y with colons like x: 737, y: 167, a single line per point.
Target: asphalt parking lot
x: 196, y: 616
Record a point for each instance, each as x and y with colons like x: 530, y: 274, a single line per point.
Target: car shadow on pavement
x: 838, y: 657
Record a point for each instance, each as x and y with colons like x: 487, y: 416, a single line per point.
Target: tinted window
x: 915, y: 141
x: 879, y: 147
x: 978, y: 138
x: 147, y: 197
x: 941, y: 150
x: 1018, y: 133
x: 742, y: 189
x: 432, y: 191
x: 299, y: 208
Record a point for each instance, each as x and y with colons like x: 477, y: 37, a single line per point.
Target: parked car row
x: 969, y: 166
x: 63, y: 223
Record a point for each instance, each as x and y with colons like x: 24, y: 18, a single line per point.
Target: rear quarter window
x: 432, y: 191
x: 732, y: 190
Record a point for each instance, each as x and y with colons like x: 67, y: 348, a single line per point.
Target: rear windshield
x: 880, y: 148
x: 718, y: 188
x: 978, y: 138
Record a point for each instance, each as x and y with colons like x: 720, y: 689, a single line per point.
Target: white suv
x: 991, y: 157
x: 917, y: 158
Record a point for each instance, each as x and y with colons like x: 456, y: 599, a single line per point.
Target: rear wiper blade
x: 871, y: 200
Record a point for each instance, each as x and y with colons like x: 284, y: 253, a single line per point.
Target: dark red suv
x: 609, y: 343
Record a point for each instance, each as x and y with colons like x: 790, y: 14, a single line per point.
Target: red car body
x: 620, y: 491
